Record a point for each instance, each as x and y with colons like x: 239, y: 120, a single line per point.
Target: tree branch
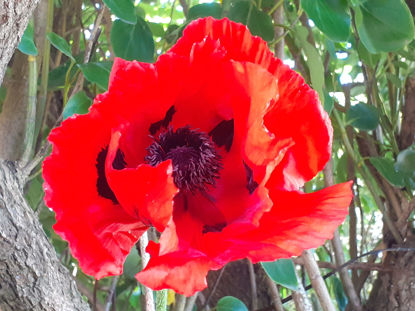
x: 31, y: 276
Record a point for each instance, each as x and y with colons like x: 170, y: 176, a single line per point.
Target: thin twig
x: 85, y: 291
x: 145, y: 257
x: 301, y: 301
x: 94, y: 297
x: 180, y: 303
x: 338, y: 249
x: 347, y: 263
x: 111, y: 293
x: 317, y: 281
x: 96, y: 31
x: 252, y: 280
x: 191, y: 302
x: 185, y: 7
x: 364, y: 266
x: 215, y: 286
x: 274, y: 294
x: 29, y: 139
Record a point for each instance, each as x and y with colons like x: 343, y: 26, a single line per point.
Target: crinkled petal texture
x: 100, y: 233
x: 281, y: 139
x: 267, y: 127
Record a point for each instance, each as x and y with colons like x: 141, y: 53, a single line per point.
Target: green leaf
x: 27, y: 45
x: 78, y: 103
x: 132, y: 41
x: 34, y: 192
x: 123, y: 9
x: 330, y: 16
x: 3, y: 93
x: 384, y: 25
x: 156, y: 29
x: 405, y: 162
x: 362, y: 116
x: 259, y: 23
x: 132, y: 264
x: 98, y: 73
x: 56, y: 78
x: 61, y: 44
x: 313, y: 61
x: 229, y: 303
x: 282, y: 271
x: 205, y: 9
x: 328, y: 102
x: 341, y: 297
x: 386, y: 168
x: 369, y: 58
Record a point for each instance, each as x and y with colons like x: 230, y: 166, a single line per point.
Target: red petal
x: 100, y: 234
x: 183, y: 271
x: 204, y: 100
x: 296, y: 115
x: 235, y: 38
x: 300, y: 221
x: 145, y: 192
x: 140, y: 94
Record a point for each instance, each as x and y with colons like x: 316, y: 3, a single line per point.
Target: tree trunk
x: 31, y: 276
x: 395, y: 290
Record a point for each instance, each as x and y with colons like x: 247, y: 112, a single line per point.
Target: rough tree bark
x: 395, y: 290
x: 14, y: 16
x: 31, y: 276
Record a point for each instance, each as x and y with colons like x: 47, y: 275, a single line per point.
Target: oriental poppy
x: 210, y: 145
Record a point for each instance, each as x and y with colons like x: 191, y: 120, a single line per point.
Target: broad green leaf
x: 98, y: 73
x: 27, y: 45
x: 56, y: 77
x: 384, y: 25
x: 363, y: 116
x: 387, y: 169
x: 132, y: 264
x: 282, y: 271
x: 339, y: 293
x: 405, y: 161
x: 330, y: 16
x: 205, y: 9
x: 259, y: 23
x: 313, y: 61
x: 61, y: 44
x: 34, y: 192
x: 123, y: 9
x: 156, y: 29
x: 229, y: 303
x: 367, y: 57
x: 135, y: 298
x: 328, y: 102
x: 133, y: 41
x: 78, y: 103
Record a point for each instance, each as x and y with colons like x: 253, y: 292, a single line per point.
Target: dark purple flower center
x: 196, y: 164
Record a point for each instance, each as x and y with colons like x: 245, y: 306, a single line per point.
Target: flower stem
x: 29, y: 139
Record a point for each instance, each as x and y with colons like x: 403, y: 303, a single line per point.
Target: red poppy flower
x: 209, y: 145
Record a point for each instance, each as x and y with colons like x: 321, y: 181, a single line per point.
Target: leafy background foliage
x: 357, y: 54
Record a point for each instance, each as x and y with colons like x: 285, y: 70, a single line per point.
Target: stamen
x: 196, y: 163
